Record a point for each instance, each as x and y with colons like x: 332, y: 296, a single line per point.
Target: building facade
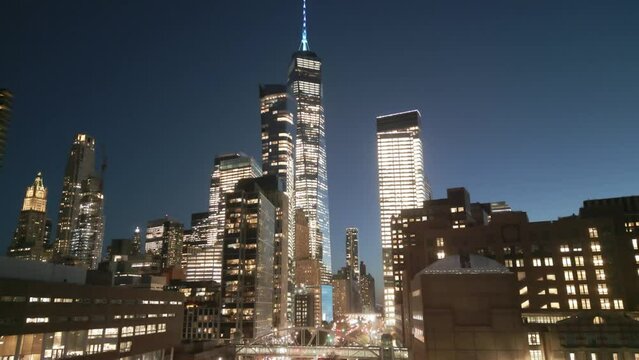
x: 228, y: 169
x: 6, y: 100
x: 247, y: 271
x: 577, y: 263
x: 402, y: 185
x: 87, y: 234
x: 367, y: 290
x: 31, y: 235
x: 311, y: 179
x: 352, y: 254
x: 198, y: 257
x: 80, y: 165
x: 164, y: 238
x: 49, y: 312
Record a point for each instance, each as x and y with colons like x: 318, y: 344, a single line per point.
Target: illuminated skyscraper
x: 87, y: 234
x: 311, y: 186
x: 352, y: 254
x: 164, y: 241
x: 227, y: 171
x: 247, y: 272
x: 5, y: 117
x: 400, y: 171
x: 278, y: 132
x: 197, y: 255
x: 30, y: 236
x: 80, y: 165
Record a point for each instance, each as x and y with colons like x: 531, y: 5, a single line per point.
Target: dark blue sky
x: 532, y: 102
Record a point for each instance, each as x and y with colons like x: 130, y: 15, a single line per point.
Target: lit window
x: 605, y: 304
x: 127, y: 331
x: 602, y: 289
x: 161, y: 328
x: 634, y: 244
x: 453, y: 210
x: 618, y: 303
x: 552, y: 291
x: 579, y: 261
x: 140, y: 330
x: 568, y: 276
x: 564, y: 248
x: 595, y: 246
x: 508, y: 263
x: 593, y: 233
x: 536, y: 355
x: 536, y: 262
x: 598, y: 320
x: 566, y: 261
x: 597, y: 260
x: 583, y: 289
x: 95, y: 333
x: 551, y: 277
x: 125, y: 346
x: 519, y: 262
x: 573, y: 304
x: 441, y: 254
x: 585, y: 304
x: 440, y: 242
x: 600, y: 274
x: 581, y: 275
x: 548, y: 261
x: 533, y: 338
x: 570, y: 290
x: 554, y: 305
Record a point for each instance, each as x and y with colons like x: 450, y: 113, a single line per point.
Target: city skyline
x: 133, y: 149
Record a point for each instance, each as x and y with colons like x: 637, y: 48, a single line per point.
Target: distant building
x: 466, y: 307
x: 402, y: 185
x: 247, y: 271
x: 345, y: 295
x: 6, y: 99
x: 198, y: 256
x: 307, y: 306
x: 49, y: 312
x: 87, y: 234
x: 352, y: 254
x: 228, y: 169
x: 80, y: 165
x: 367, y: 290
x: 164, y: 241
x: 31, y: 235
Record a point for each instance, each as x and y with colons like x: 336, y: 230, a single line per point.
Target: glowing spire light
x: 304, y: 44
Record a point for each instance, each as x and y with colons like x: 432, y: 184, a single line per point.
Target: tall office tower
x: 164, y: 241
x: 6, y: 99
x: 197, y: 255
x: 137, y: 242
x: 278, y: 133
x: 352, y: 254
x: 247, y: 272
x: 88, y: 232
x: 367, y: 290
x: 400, y: 172
x: 80, y: 165
x: 311, y: 186
x: 30, y: 236
x: 228, y: 169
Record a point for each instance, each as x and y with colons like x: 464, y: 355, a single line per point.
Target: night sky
x: 531, y: 102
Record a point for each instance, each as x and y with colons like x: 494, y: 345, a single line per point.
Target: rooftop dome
x: 465, y: 264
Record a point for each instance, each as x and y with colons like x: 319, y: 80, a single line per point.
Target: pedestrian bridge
x: 314, y: 343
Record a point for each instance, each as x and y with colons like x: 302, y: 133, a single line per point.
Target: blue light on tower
x: 304, y: 44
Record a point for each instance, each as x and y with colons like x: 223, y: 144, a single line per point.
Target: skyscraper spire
x: 304, y: 44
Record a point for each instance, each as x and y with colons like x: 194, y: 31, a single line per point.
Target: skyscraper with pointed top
x: 311, y: 185
x: 30, y: 237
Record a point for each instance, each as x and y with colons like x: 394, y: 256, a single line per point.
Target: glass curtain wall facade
x: 278, y: 160
x: 311, y: 185
x: 80, y: 166
x: 400, y: 171
x: 227, y: 171
x: 87, y: 235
